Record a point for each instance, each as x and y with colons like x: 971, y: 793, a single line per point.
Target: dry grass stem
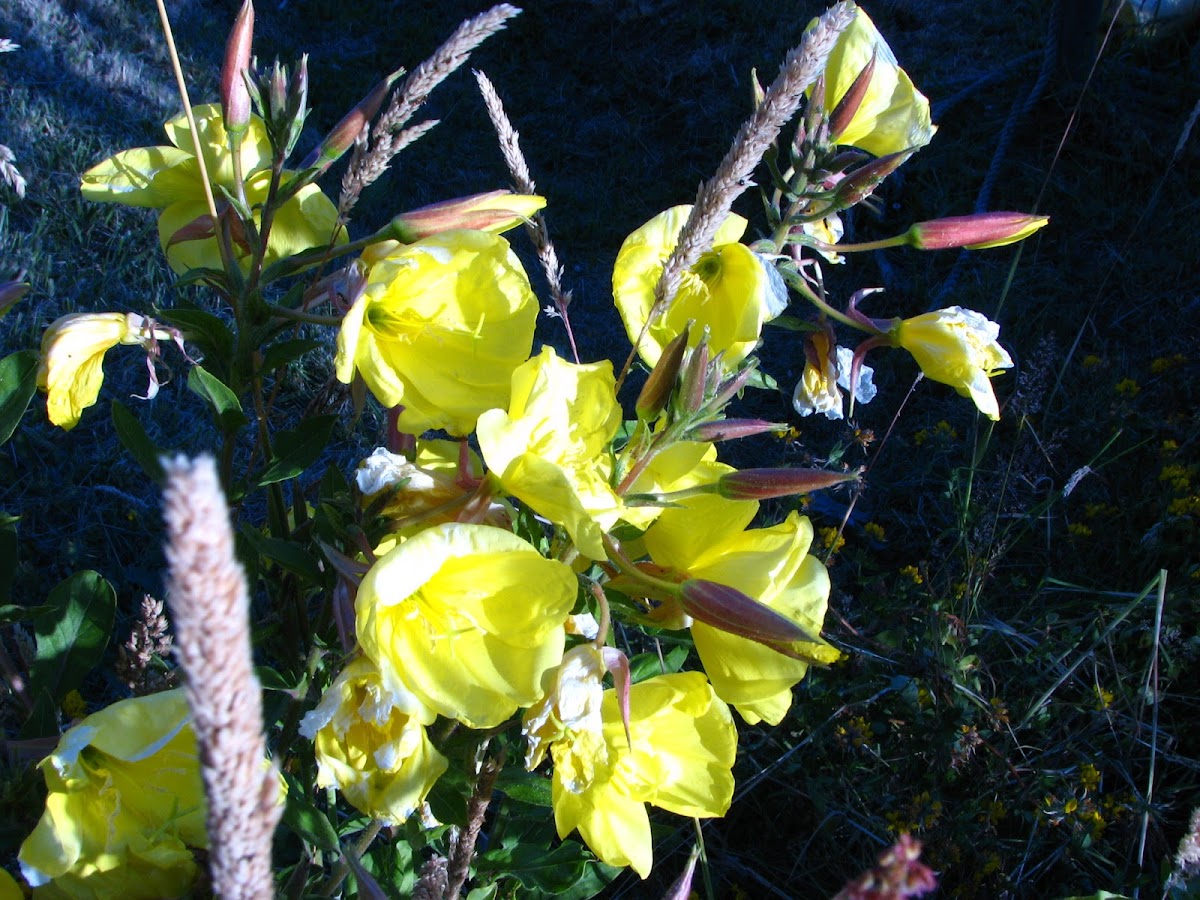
x: 210, y: 608
x: 372, y: 155
x: 1187, y: 858
x: 510, y: 148
x: 148, y: 639
x: 9, y: 173
x: 715, y: 197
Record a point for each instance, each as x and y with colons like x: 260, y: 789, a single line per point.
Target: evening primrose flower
x: 817, y: 391
x: 125, y: 804
x: 439, y: 329
x: 678, y: 756
x: 892, y: 115
x: 551, y: 447
x: 730, y: 291
x: 466, y: 618
x: 372, y: 745
x: 706, y: 538
x: 958, y: 347
x: 168, y: 179
x: 70, y: 369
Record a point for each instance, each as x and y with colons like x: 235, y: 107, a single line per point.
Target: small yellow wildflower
x: 1127, y: 387
x: 1091, y: 361
x: 1104, y: 698
x: 73, y: 705
x: 1169, y: 447
x: 1089, y: 777
x: 832, y: 539
x: 996, y: 811
x: 1184, y: 506
x: 875, y: 531
x: 914, y: 573
x: 1179, y: 477
x: 1166, y: 363
x: 1079, y: 530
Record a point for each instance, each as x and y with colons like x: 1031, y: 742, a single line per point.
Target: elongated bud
x: 657, y: 389
x: 10, y: 293
x: 847, y: 108
x: 763, y: 484
x: 346, y: 132
x: 235, y: 98
x: 695, y: 376
x: 495, y: 211
x: 728, y: 429
x: 861, y: 183
x: 732, y: 611
x: 730, y: 387
x: 977, y: 232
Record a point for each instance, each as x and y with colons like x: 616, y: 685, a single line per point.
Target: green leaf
x: 223, y: 402
x: 133, y: 438
x: 18, y: 383
x: 291, y: 556
x: 206, y: 331
x: 791, y: 323
x: 303, y: 817
x: 527, y: 787
x: 761, y: 380
x: 10, y: 613
x: 71, y: 634
x: 284, y: 352
x: 297, y: 449
x: 647, y: 665
x: 551, y: 871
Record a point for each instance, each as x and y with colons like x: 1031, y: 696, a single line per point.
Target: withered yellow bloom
x: 168, y: 179
x: 893, y: 114
x: 125, y: 805
x: 440, y: 328
x: 71, y: 371
x: 958, y: 347
x: 730, y: 291
x: 466, y: 618
x: 707, y: 538
x: 550, y: 448
x: 371, y: 744
x: 678, y: 756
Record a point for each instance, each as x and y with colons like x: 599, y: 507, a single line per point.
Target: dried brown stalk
x: 510, y: 148
x: 210, y: 608
x: 714, y: 199
x: 372, y: 154
x: 148, y: 639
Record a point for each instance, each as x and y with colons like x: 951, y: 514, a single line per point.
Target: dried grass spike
x: 210, y: 608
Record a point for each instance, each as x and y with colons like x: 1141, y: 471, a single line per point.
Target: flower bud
x: 861, y: 183
x: 847, y: 108
x: 727, y: 429
x: 10, y: 293
x: 732, y: 611
x: 977, y: 232
x: 657, y: 389
x: 763, y: 484
x: 235, y: 98
x: 495, y: 212
x: 346, y: 132
x: 695, y: 377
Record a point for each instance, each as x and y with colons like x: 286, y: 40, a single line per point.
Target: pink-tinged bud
x: 861, y: 183
x: 201, y: 228
x: 732, y: 611
x: 495, y: 211
x: 695, y: 377
x: 657, y: 389
x: 848, y: 106
x: 731, y: 387
x: 728, y: 429
x: 977, y: 232
x: 235, y: 98
x: 10, y: 293
x: 763, y: 484
x: 346, y: 132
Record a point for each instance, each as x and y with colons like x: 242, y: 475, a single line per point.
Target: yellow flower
x: 550, y: 448
x: 730, y: 290
x: 678, y: 757
x: 9, y: 889
x: 125, y: 805
x: 372, y: 745
x: 168, y: 179
x: 71, y: 371
x: 466, y: 618
x: 826, y: 370
x: 893, y: 114
x: 706, y: 538
x: 440, y: 328
x: 958, y: 347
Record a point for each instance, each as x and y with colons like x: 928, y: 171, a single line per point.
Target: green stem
x: 804, y: 290
x: 622, y: 562
x: 295, y: 315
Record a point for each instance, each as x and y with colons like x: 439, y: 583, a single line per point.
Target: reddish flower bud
x: 346, y: 132
x: 848, y: 106
x: 695, y: 377
x: 235, y: 98
x: 861, y: 183
x: 977, y: 232
x: 657, y: 389
x: 763, y: 484
x: 732, y: 611
x: 727, y: 429
x: 495, y: 211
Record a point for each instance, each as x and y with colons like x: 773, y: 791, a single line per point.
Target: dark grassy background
x: 624, y: 108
